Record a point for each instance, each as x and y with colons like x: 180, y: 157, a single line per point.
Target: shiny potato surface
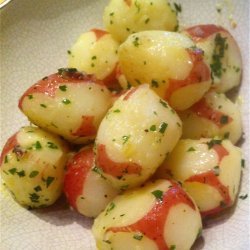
x: 158, y: 216
x: 85, y: 189
x: 169, y: 62
x: 213, y: 115
x: 124, y: 17
x: 32, y: 166
x: 134, y: 137
x: 95, y: 52
x: 209, y: 170
x: 68, y: 103
x: 221, y: 53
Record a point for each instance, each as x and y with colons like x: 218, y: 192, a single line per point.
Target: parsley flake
x: 138, y: 236
x: 191, y: 149
x: 158, y: 194
x: 51, y: 145
x: 66, y: 101
x: 33, y: 174
x: 243, y: 197
x: 63, y: 88
x: 125, y: 138
x: 163, y: 127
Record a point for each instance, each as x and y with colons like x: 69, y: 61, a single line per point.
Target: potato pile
x: 146, y: 108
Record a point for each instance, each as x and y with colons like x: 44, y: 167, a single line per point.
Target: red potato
x: 209, y: 170
x: 157, y: 216
x: 68, y: 103
x: 221, y: 53
x: 85, y: 189
x: 32, y: 166
x: 95, y: 52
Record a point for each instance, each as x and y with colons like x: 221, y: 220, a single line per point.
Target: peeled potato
x: 85, y: 189
x: 124, y: 17
x: 221, y: 53
x: 32, y: 166
x: 169, y: 62
x: 95, y: 52
x: 149, y: 218
x: 209, y: 170
x: 67, y: 103
x: 213, y: 115
x: 134, y: 137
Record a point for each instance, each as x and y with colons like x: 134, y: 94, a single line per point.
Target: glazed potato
x: 134, y: 137
x: 209, y: 170
x: 95, y: 52
x: 213, y: 115
x: 32, y: 166
x: 68, y: 103
x: 158, y: 216
x: 85, y: 189
x: 221, y: 53
x: 169, y: 62
x: 124, y: 17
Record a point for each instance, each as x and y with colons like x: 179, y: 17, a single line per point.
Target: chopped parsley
x: 154, y: 84
x: 30, y: 97
x: 137, y: 5
x: 49, y: 180
x: 224, y: 119
x: 21, y: 173
x: 63, y: 71
x: 6, y: 159
x: 110, y: 207
x: 178, y: 8
x: 242, y: 163
x: 216, y: 170
x: 97, y: 170
x: 66, y: 101
x: 138, y: 236
x: 125, y: 138
x: 172, y: 247
x: 117, y: 111
x: 243, y: 197
x: 51, y: 145
x: 43, y: 105
x: 37, y: 188
x: 34, y: 197
x: 226, y: 135
x: 93, y: 58
x: 63, y: 88
x: 163, y: 103
x: 158, y: 194
x: 147, y: 20
x: 12, y: 171
x: 136, y: 41
x: 191, y: 149
x: 213, y: 142
x: 69, y: 52
x: 152, y: 128
x: 163, y: 127
x: 37, y: 145
x: 33, y: 174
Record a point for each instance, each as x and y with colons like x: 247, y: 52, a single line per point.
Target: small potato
x: 67, y: 103
x: 221, y: 53
x: 134, y: 137
x: 95, y: 52
x: 124, y: 17
x: 158, y: 216
x: 32, y: 166
x: 169, y: 62
x: 209, y: 170
x: 85, y: 189
x: 213, y: 115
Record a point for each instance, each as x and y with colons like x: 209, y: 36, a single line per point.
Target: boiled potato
x: 68, y: 103
x: 213, y: 115
x: 134, y: 137
x: 84, y: 188
x: 169, y: 62
x: 95, y: 52
x: 124, y: 17
x: 32, y: 166
x: 209, y: 170
x: 221, y: 53
x: 158, y: 216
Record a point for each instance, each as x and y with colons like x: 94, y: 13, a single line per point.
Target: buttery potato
x: 85, y: 189
x: 95, y: 52
x: 134, y: 137
x: 32, y: 166
x: 221, y: 53
x: 213, y: 115
x: 124, y: 17
x: 169, y: 62
x: 158, y: 216
x: 68, y: 103
x: 209, y: 170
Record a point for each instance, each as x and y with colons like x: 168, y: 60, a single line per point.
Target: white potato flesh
x: 85, y: 189
x: 124, y: 17
x: 135, y: 136
x: 209, y: 170
x: 213, y: 115
x: 95, y: 52
x: 169, y: 62
x: 32, y: 166
x: 221, y: 53
x: 165, y: 218
x: 68, y: 103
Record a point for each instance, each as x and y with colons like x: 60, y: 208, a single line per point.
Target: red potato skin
x: 199, y: 73
x: 128, y: 2
x: 152, y: 224
x: 77, y: 170
x: 202, y: 109
x: 87, y: 127
x: 99, y: 33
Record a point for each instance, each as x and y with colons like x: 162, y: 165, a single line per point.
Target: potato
x: 95, y: 52
x: 209, y: 170
x: 213, y: 115
x: 85, y: 189
x: 68, y: 103
x: 169, y: 62
x: 134, y: 137
x: 221, y: 53
x: 124, y: 17
x: 32, y: 166
x: 158, y: 216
